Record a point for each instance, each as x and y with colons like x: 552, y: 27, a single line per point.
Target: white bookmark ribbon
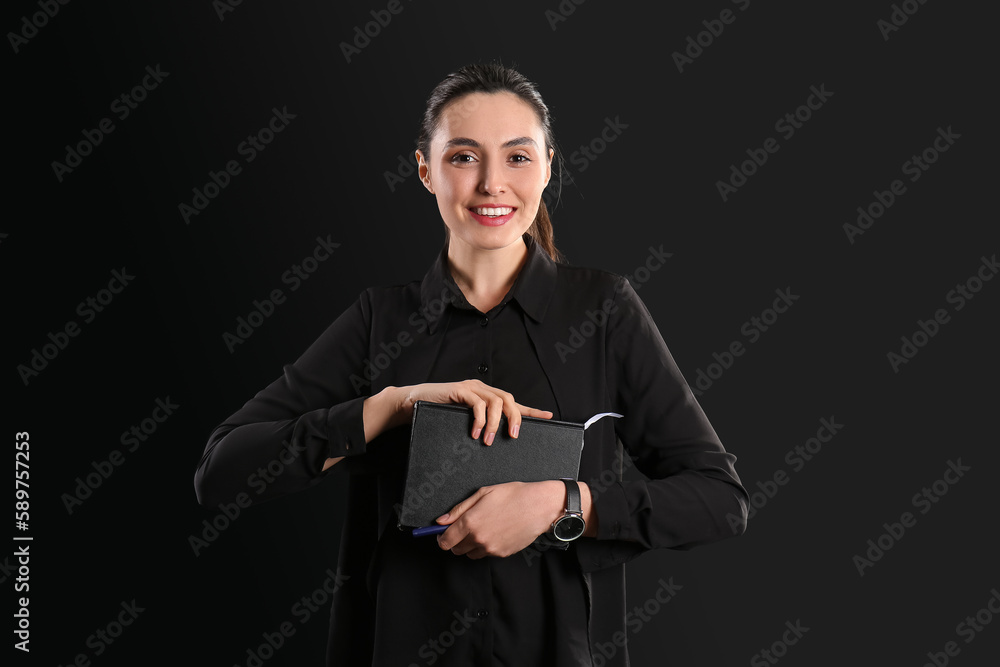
x: 599, y: 416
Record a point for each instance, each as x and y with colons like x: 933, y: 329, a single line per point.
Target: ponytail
x: 541, y: 231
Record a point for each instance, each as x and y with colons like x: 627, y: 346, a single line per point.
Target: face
x: 488, y: 166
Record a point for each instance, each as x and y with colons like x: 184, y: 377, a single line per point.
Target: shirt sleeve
x: 278, y: 442
x: 693, y: 495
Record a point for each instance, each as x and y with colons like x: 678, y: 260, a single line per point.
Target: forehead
x: 490, y: 118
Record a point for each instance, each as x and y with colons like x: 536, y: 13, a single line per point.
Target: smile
x: 492, y: 216
x: 492, y: 212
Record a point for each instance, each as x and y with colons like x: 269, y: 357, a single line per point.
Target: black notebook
x: 446, y: 465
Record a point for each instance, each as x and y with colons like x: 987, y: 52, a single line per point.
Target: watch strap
x: 572, y: 496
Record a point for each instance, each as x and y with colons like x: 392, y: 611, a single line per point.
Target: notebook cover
x: 446, y: 465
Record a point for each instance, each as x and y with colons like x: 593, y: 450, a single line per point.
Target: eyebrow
x: 464, y: 141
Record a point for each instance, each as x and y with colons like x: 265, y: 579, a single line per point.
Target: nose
x: 491, y: 181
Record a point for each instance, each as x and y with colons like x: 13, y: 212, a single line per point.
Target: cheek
x: 529, y: 180
x: 456, y: 184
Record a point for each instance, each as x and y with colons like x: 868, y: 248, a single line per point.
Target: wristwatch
x: 570, y: 525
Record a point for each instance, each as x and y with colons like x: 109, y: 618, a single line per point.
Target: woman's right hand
x: 393, y: 406
x: 488, y: 404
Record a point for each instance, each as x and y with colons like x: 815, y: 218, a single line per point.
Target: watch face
x: 569, y: 528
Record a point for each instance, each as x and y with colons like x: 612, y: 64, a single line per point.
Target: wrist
x: 571, y: 523
x: 589, y: 512
x: 397, y: 405
x: 382, y: 412
x: 557, y: 494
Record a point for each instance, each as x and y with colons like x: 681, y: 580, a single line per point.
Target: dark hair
x: 496, y: 78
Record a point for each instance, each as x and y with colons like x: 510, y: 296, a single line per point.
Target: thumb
x: 456, y: 512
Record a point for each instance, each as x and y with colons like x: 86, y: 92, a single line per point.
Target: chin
x: 501, y: 237
x: 491, y: 238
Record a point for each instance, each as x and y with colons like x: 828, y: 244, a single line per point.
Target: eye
x: 520, y: 158
x: 458, y: 158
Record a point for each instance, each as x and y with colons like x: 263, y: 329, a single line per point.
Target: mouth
x: 492, y: 216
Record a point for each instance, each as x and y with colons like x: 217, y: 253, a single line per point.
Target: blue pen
x: 429, y: 530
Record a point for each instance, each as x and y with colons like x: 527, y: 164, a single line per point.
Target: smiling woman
x: 488, y: 181
x: 473, y: 133
x: 477, y: 594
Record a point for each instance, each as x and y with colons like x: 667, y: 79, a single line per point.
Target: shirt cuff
x: 613, y: 518
x: 346, y: 428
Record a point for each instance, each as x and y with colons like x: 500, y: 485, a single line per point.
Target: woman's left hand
x: 501, y: 520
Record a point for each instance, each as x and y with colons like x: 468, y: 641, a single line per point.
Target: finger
x: 478, y: 412
x: 459, y: 547
x: 534, y: 412
x: 456, y: 512
x: 452, y: 537
x: 476, y: 554
x: 493, y: 413
x: 513, y: 413
x: 457, y: 538
x: 495, y: 410
x: 466, y: 545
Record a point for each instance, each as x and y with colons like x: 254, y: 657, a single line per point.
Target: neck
x: 485, y: 276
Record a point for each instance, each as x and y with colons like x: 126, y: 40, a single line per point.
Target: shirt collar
x: 532, y: 289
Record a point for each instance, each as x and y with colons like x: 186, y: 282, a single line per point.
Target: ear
x: 424, y: 171
x: 548, y: 166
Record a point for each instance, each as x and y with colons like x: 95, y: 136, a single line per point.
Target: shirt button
x: 483, y: 322
x: 483, y: 368
x: 482, y: 613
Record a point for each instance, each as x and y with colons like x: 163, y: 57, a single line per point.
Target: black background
x: 654, y: 185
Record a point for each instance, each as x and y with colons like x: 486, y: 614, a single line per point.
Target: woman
x: 497, y: 324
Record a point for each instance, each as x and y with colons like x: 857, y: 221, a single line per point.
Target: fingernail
x: 443, y: 517
x: 489, y: 438
x: 514, y: 429
x: 475, y: 434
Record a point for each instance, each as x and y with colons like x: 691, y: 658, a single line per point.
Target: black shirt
x: 573, y: 340
x: 531, y: 612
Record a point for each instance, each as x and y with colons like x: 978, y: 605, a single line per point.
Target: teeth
x: 493, y: 212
